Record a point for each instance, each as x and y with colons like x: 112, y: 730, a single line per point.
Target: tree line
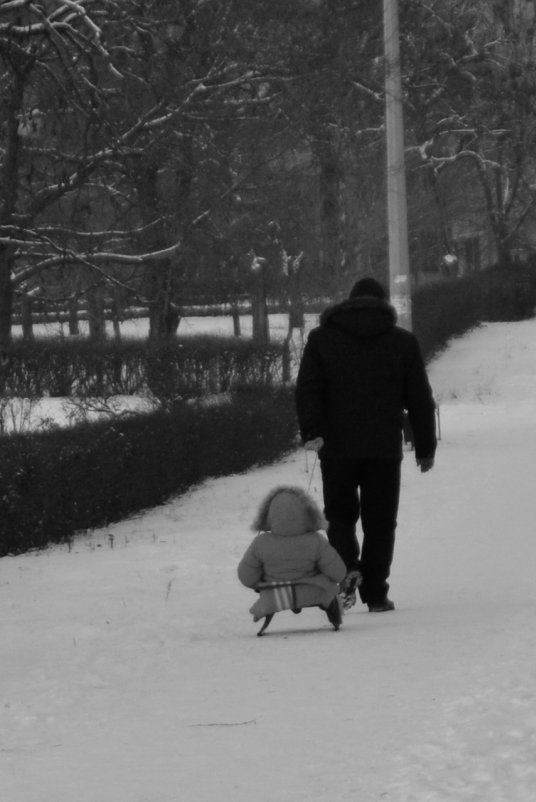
x: 155, y: 152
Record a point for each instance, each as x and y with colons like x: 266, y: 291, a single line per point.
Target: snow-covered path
x: 133, y: 674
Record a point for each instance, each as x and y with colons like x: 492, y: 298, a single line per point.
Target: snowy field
x: 131, y: 671
x: 189, y: 326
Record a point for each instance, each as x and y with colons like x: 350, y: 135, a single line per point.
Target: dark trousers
x: 370, y: 489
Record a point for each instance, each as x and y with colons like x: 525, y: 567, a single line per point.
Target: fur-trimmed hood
x: 288, y: 511
x: 362, y: 316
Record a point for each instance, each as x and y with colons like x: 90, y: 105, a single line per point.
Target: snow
x: 131, y: 671
x: 32, y: 414
x: 138, y: 328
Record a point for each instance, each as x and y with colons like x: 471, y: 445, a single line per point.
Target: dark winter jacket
x: 358, y: 374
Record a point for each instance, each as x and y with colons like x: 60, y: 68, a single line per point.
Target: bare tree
x: 108, y: 150
x: 471, y: 89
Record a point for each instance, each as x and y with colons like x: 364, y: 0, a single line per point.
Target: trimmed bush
x: 180, y: 368
x: 56, y: 483
x: 450, y: 308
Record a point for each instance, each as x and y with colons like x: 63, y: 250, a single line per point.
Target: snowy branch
x: 441, y: 161
x: 94, y: 260
x: 377, y: 96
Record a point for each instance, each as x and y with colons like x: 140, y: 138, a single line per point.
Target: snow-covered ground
x: 189, y: 326
x: 130, y: 669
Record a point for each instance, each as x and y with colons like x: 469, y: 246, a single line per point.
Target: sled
x: 407, y: 431
x: 279, y: 596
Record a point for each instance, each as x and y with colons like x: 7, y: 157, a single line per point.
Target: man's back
x: 358, y: 373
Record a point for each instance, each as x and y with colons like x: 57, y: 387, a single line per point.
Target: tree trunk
x: 164, y: 315
x: 491, y: 187
x: 12, y: 105
x: 236, y: 321
x: 27, y: 319
x: 96, y: 319
x: 74, y: 325
x: 330, y: 212
x: 261, y: 328
x: 6, y: 300
x: 259, y: 307
x: 446, y: 241
x: 296, y: 307
x: 155, y: 199
x: 117, y: 315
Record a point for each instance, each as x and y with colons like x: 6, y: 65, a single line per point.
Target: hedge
x: 185, y: 367
x: 450, y: 308
x: 53, y: 484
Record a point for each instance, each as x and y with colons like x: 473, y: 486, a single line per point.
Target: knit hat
x: 369, y: 287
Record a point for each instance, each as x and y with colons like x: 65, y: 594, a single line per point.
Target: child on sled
x: 290, y: 563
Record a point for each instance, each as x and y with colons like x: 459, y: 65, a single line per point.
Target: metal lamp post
x: 397, y: 215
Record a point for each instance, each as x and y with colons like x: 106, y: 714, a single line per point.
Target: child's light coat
x: 289, y: 548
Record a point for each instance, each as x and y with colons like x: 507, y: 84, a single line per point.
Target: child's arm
x: 329, y: 562
x: 250, y: 567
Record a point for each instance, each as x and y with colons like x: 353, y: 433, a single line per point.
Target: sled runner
x: 278, y: 596
x: 407, y: 430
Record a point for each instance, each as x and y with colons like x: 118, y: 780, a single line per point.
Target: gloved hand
x: 425, y: 464
x: 314, y: 445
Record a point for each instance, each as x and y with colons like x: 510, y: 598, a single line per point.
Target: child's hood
x: 289, y: 511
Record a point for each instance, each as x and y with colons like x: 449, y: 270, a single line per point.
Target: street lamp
x: 397, y: 213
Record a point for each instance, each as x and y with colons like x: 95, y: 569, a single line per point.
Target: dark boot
x: 384, y: 606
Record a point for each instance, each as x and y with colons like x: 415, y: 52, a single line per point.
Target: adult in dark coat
x: 358, y: 373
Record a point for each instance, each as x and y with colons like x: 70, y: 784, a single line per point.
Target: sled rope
x: 312, y: 473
